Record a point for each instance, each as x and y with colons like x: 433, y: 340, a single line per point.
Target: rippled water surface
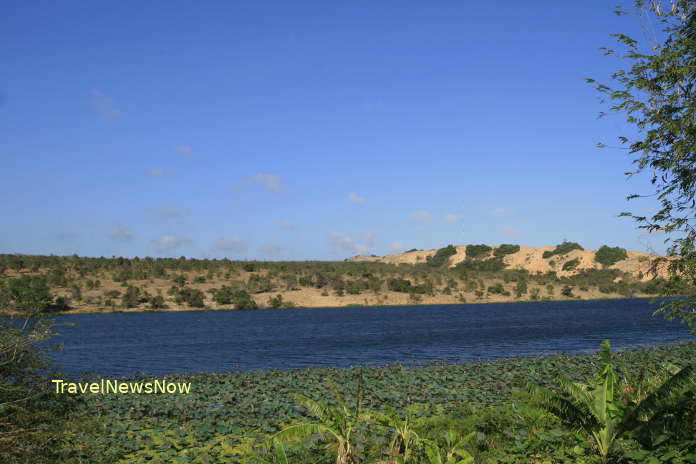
x: 219, y: 341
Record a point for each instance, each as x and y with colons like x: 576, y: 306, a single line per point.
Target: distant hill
x: 449, y: 275
x: 535, y: 260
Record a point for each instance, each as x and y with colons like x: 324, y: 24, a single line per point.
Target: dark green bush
x: 562, y: 249
x: 610, y: 255
x: 505, y: 249
x: 570, y: 265
x: 442, y: 255
x: 399, y: 285
x: 498, y: 289
x: 191, y: 296
x: 477, y: 251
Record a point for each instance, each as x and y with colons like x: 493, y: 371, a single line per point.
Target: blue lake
x: 220, y: 341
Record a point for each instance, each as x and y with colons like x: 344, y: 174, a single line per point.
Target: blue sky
x: 309, y: 130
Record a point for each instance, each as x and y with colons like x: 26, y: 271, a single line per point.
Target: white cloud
x: 287, y: 224
x: 157, y: 172
x: 169, y: 242
x: 271, y: 182
x: 396, y: 247
x: 343, y: 242
x: 356, y: 199
x: 233, y: 244
x: 499, y: 212
x: 450, y: 218
x: 103, y: 105
x: 185, y: 150
x: 120, y: 234
x: 421, y: 216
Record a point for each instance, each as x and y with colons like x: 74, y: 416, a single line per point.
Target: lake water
x: 220, y: 341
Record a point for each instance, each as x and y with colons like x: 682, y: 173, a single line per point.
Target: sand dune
x: 637, y: 264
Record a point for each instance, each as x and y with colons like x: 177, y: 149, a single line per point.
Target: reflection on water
x: 220, y: 341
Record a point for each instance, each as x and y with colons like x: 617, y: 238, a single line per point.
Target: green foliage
x: 570, y: 265
x: 259, y: 284
x: 505, y: 249
x: 498, y: 289
x: 654, y: 93
x: 567, y: 291
x: 486, y: 265
x: 131, y: 298
x: 277, y: 302
x: 521, y: 288
x: 338, y: 422
x: 190, y: 296
x: 561, y: 249
x: 453, y: 451
x: 232, y: 416
x: 477, y: 251
x: 399, y: 285
x: 442, y: 255
x: 157, y: 302
x: 597, y: 408
x: 239, y: 298
x: 610, y: 255
x: 28, y: 294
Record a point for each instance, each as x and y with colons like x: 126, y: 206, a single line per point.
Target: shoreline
x: 347, y: 306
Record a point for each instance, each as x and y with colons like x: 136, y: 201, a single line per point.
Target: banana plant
x: 453, y: 452
x: 597, y: 408
x: 404, y: 433
x: 278, y: 455
x: 338, y: 423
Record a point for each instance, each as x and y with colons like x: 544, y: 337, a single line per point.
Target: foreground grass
x: 226, y: 415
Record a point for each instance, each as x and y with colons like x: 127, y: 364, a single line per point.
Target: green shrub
x: 498, y: 289
x: 477, y: 251
x: 570, y: 265
x: 490, y: 265
x: 442, y: 255
x: 562, y: 249
x: 610, y: 255
x: 131, y: 298
x: 399, y: 285
x: 505, y: 249
x: 157, y: 302
x: 520, y: 288
x: 192, y: 297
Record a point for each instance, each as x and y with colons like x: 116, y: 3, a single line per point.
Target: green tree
x: 28, y: 294
x: 131, y: 298
x: 520, y: 288
x: 655, y: 91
